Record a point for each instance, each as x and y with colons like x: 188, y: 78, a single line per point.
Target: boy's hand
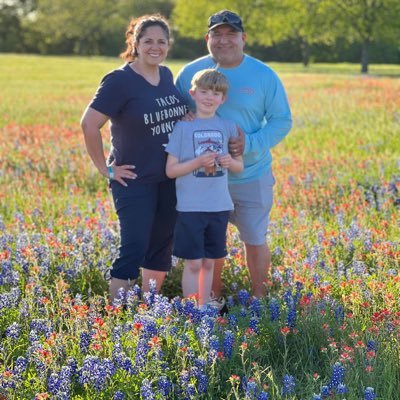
x: 225, y: 161
x: 207, y: 160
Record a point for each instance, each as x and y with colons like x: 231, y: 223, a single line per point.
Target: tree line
x: 361, y: 31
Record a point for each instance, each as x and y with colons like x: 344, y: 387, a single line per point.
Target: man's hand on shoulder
x: 236, y: 144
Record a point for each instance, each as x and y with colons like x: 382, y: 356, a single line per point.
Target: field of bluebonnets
x: 330, y: 326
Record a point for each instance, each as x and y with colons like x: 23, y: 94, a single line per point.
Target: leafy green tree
x: 187, y: 20
x: 135, y: 8
x: 11, y: 30
x: 266, y: 21
x: 76, y: 26
x: 309, y: 22
x: 366, y: 21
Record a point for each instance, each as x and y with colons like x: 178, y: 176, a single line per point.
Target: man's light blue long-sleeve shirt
x: 256, y: 101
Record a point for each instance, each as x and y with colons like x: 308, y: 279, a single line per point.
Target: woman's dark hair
x: 135, y: 31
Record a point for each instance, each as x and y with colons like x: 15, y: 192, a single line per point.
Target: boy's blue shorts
x: 201, y: 235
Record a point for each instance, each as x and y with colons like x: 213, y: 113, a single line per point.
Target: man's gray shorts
x: 252, y: 204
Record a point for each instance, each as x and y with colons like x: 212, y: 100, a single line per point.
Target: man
x: 258, y: 104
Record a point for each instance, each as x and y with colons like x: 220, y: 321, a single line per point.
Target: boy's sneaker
x: 217, y: 303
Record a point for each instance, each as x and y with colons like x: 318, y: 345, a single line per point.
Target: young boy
x: 198, y: 157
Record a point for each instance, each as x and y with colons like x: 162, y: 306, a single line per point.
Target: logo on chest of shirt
x: 247, y: 90
x: 206, y: 142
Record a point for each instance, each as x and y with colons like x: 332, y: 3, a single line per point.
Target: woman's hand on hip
x: 122, y: 172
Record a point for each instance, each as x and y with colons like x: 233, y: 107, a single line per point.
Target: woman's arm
x: 92, y: 121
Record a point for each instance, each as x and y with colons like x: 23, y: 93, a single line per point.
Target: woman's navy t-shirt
x: 141, y: 118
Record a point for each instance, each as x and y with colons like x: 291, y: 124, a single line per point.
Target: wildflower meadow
x: 330, y: 325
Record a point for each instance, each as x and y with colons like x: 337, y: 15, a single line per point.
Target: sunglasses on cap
x: 225, y: 17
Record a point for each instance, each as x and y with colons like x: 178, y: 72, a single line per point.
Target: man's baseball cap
x: 225, y: 17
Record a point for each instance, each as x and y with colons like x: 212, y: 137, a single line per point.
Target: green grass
x: 50, y: 89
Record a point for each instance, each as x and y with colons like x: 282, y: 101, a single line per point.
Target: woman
x: 142, y: 104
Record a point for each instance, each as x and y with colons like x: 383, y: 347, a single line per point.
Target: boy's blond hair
x: 210, y: 79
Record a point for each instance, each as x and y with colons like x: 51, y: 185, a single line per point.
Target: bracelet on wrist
x: 110, y: 172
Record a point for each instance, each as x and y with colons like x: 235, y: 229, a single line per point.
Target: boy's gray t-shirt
x: 202, y: 190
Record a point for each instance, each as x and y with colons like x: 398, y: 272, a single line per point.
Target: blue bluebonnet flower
x: 42, y: 326
x: 149, y: 296
x: 8, y: 275
x: 325, y: 391
x: 73, y: 364
x: 205, y: 329
x: 118, y: 395
x: 289, y: 276
x: 289, y: 385
x: 116, y: 333
x: 316, y: 397
x: 127, y: 365
x: 230, y: 301
x: 202, y: 383
x: 142, y: 349
x: 250, y: 389
x: 176, y: 303
x: 337, y: 376
x: 59, y: 384
x: 317, y: 280
x: 256, y: 307
x: 120, y: 359
x: 214, y: 348
x: 40, y: 366
x: 253, y: 324
x: 277, y: 276
x: 162, y: 307
x: 274, y: 309
x: 341, y: 388
x: 339, y: 314
x: 263, y: 396
x: 164, y: 386
x: 190, y: 391
x: 229, y: 340
x: 190, y: 310
x: 190, y: 354
x: 369, y: 394
x: 371, y: 345
x: 243, y: 312
x: 84, y: 341
x: 13, y: 331
x: 291, y: 317
x: 243, y: 297
x: 146, y: 390
x: 33, y: 337
x: 20, y: 365
x: 288, y: 298
x: 24, y: 309
x: 149, y: 328
x: 96, y: 372
x: 184, y: 378
x: 233, y: 322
